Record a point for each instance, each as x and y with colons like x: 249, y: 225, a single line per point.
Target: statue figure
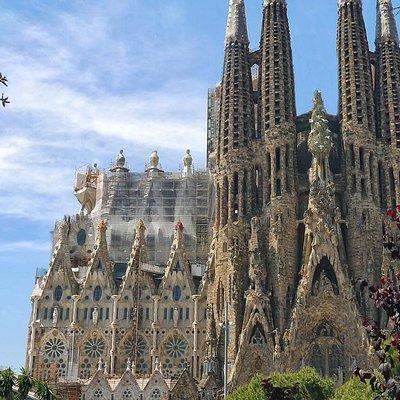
x: 95, y: 316
x: 257, y: 271
x: 176, y: 316
x: 154, y: 159
x: 286, y: 338
x: 55, y: 316
x: 320, y: 140
x: 277, y: 349
x: 187, y: 164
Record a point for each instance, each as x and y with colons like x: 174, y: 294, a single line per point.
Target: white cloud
x: 77, y: 96
x: 24, y: 245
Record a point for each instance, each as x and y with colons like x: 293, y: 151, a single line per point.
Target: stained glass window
x: 54, y: 348
x: 58, y: 292
x: 97, y: 293
x: 81, y: 237
x: 176, y: 347
x: 176, y: 293
x: 94, y: 348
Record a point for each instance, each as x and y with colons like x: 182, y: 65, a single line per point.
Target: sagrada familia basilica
x: 276, y: 232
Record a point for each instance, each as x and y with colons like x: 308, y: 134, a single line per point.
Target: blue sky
x: 87, y: 78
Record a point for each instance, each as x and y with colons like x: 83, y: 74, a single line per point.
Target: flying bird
x: 4, y: 100
x: 3, y: 79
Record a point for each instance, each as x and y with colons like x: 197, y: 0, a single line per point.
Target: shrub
x: 316, y: 387
x: 253, y: 391
x: 354, y: 389
x: 303, y: 385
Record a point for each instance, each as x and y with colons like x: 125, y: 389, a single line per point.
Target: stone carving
x: 257, y: 270
x: 95, y: 316
x: 176, y: 316
x: 320, y: 138
x: 324, y: 284
x: 55, y: 316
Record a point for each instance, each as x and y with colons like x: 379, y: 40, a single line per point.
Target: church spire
x: 386, y: 28
x: 236, y: 29
x: 387, y: 74
x: 237, y: 124
x: 356, y: 104
x: 276, y: 83
x: 237, y: 106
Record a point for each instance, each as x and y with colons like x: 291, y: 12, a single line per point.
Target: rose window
x: 141, y: 347
x: 54, y: 348
x: 98, y: 394
x: 94, y: 348
x: 176, y: 347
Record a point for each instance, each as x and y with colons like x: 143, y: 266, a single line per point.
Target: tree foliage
x: 303, y: 385
x: 14, y: 387
x: 385, y: 382
x: 354, y: 389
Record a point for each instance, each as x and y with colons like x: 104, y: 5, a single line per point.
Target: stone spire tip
x: 236, y: 29
x: 386, y: 27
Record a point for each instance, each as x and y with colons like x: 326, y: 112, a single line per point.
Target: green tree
x: 354, y: 389
x: 309, y: 380
x: 7, y: 381
x: 25, y: 384
x: 254, y: 390
x: 43, y: 391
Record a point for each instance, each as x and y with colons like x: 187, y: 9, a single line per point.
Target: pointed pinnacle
x: 236, y: 29
x: 268, y: 2
x: 386, y: 28
x: 341, y: 3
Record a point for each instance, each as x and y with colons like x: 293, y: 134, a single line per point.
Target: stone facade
x: 273, y: 236
x: 301, y: 200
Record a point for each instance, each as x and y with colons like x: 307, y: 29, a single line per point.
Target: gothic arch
x: 324, y: 278
x: 257, y: 337
x: 326, y: 352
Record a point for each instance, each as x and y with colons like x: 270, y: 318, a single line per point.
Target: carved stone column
x: 75, y: 299
x: 241, y: 199
x: 273, y: 174
x: 35, y: 301
x: 154, y: 326
x: 114, y: 324
x: 195, y: 334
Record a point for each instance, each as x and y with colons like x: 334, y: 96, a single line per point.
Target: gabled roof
x: 100, y: 377
x: 128, y: 376
x: 101, y: 255
x: 138, y: 255
x: 60, y: 261
x: 255, y: 314
x: 156, y: 376
x: 185, y: 382
x: 178, y: 254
